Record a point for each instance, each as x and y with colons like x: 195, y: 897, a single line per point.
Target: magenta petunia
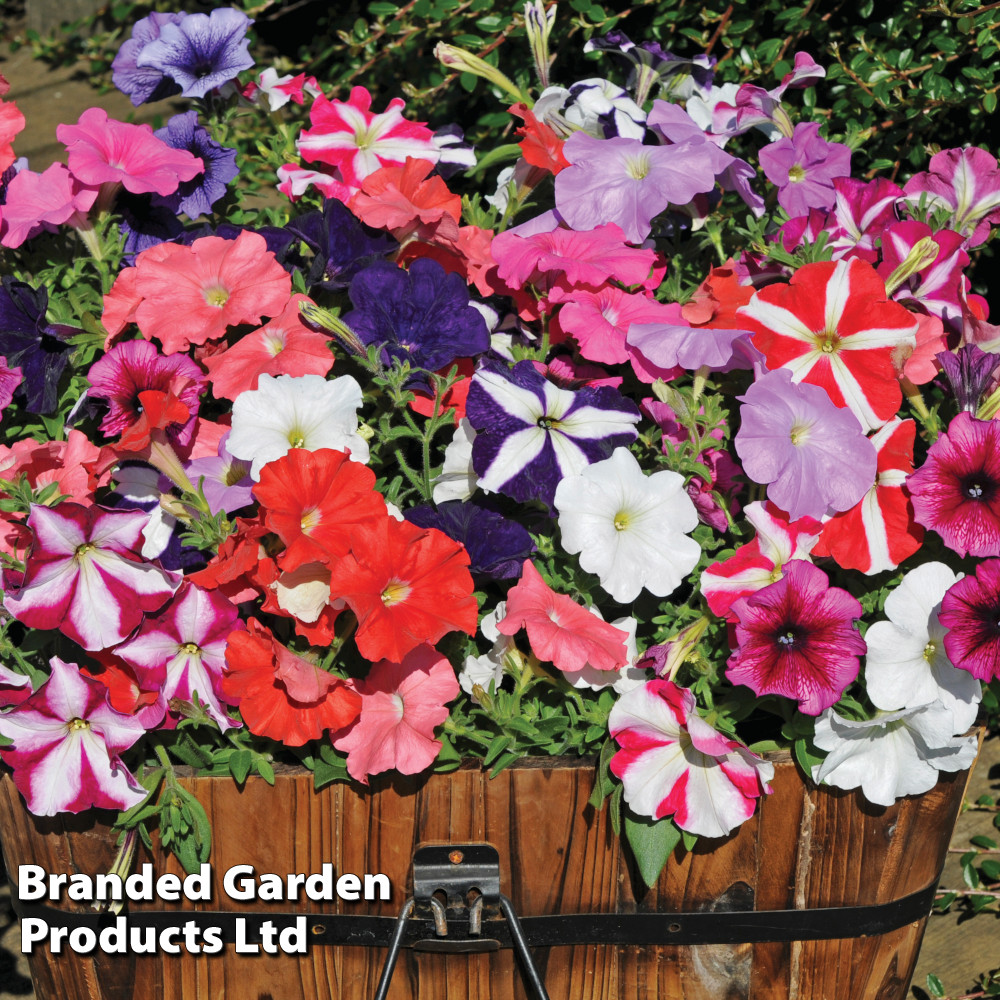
x: 10, y: 379
x: 101, y: 150
x: 85, y: 574
x: 956, y: 492
x: 42, y: 202
x: 797, y: 638
x: 970, y: 611
x: 67, y: 741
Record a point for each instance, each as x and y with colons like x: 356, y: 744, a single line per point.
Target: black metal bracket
x: 455, y: 888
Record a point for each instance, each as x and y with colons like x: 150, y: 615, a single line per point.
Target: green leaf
x: 970, y: 876
x: 239, y: 765
x: 934, y: 986
x: 651, y: 842
x: 991, y: 869
x: 986, y: 843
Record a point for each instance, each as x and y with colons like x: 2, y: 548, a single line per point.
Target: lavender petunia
x: 812, y: 454
x: 225, y: 479
x: 803, y: 168
x: 625, y: 182
x: 530, y: 434
x: 497, y: 546
x: 692, y: 348
x: 143, y: 84
x: 200, y: 52
x: 197, y: 196
x: 421, y: 315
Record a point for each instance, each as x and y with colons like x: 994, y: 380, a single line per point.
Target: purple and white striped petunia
x: 67, y: 739
x: 86, y: 576
x: 530, y: 434
x: 182, y: 651
x: 673, y: 763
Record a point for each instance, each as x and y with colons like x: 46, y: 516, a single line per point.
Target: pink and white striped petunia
x: 759, y: 563
x: 182, y: 651
x: 347, y: 135
x: 67, y: 741
x: 879, y: 532
x: 673, y: 763
x: 86, y: 576
x: 831, y: 326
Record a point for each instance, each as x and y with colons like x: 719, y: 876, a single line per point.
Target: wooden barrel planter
x: 804, y: 849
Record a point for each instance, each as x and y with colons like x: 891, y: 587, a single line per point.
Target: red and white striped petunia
x: 831, y: 326
x: 879, y: 532
x: 759, y: 563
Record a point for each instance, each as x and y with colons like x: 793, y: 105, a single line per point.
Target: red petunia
x: 407, y: 586
x: 315, y: 501
x: 541, y: 147
x: 281, y: 695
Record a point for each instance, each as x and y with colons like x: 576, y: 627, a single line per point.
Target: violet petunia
x: 812, y: 454
x: 144, y: 225
x: 624, y: 182
x: 970, y: 373
x: 530, y: 434
x: 200, y: 51
x: 143, y: 84
x: 67, y: 742
x: 803, y: 168
x: 197, y: 196
x: 225, y: 480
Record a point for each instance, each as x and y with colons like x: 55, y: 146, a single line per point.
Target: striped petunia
x: 530, y: 434
x: 832, y: 326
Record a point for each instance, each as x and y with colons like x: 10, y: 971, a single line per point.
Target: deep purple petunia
x: 200, y: 52
x: 137, y: 366
x: 38, y: 348
x: 497, y: 546
x: 530, y: 433
x: 797, y: 638
x: 144, y: 224
x: 971, y: 613
x: 956, y: 492
x: 146, y: 83
x: 421, y: 315
x: 969, y: 372
x: 341, y: 244
x: 812, y: 454
x: 197, y: 196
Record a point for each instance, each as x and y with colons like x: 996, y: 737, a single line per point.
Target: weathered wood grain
x: 804, y: 848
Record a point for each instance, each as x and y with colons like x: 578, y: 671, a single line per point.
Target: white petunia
x: 296, y: 411
x: 482, y: 670
x: 457, y: 480
x: 629, y: 529
x: 896, y: 754
x: 907, y: 665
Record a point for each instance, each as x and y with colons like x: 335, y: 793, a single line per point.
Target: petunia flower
x: 12, y: 121
x: 199, y: 52
x: 907, y: 663
x: 894, y: 754
x: 197, y: 196
x: 803, y: 167
x: 279, y: 90
x: 811, y: 454
x: 347, y: 135
x: 970, y: 372
x: 878, y: 532
x: 596, y: 106
x: 628, y: 528
x: 627, y: 183
x: 971, y: 613
x: 102, y: 150
x: 224, y: 479
x: 181, y: 651
x: 406, y: 585
x: 530, y: 433
x: 281, y: 695
x: 797, y: 638
x: 401, y: 706
x: 488, y: 669
x: 67, y: 742
x: 36, y: 203
x: 296, y: 412
x: 85, y: 576
x: 831, y: 326
x: 561, y: 631
x: 956, y: 492
x: 673, y: 763
x: 144, y: 225
x: 143, y: 84
x: 10, y: 379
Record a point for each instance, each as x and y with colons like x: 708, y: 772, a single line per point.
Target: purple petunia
x: 199, y: 52
x: 804, y: 167
x: 530, y: 434
x: 143, y: 84
x: 497, y: 546
x: 970, y: 373
x: 197, y: 196
x: 144, y: 224
x: 421, y: 315
x: 812, y: 454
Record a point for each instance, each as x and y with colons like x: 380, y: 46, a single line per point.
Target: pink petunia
x: 971, y: 613
x: 10, y: 379
x: 401, y: 705
x: 193, y: 294
x: 67, y: 741
x: 11, y: 122
x: 42, y: 202
x: 284, y: 346
x: 673, y: 763
x: 85, y: 574
x: 101, y: 150
x: 560, y: 631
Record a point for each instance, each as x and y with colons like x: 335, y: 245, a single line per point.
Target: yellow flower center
x: 828, y: 341
x: 75, y: 725
x: 395, y: 592
x: 190, y: 648
x: 929, y: 650
x: 637, y: 167
x: 621, y: 520
x: 310, y: 519
x: 796, y: 174
x: 296, y: 439
x: 216, y: 295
